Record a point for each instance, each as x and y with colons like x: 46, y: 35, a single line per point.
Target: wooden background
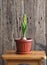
x: 11, y: 12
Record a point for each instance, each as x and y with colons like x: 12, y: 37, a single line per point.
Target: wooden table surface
x: 34, y: 55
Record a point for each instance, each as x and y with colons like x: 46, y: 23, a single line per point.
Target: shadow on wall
x: 40, y: 47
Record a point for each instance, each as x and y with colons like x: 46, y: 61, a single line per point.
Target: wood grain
x: 33, y: 55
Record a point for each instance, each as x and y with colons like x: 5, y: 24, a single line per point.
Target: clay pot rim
x: 28, y: 39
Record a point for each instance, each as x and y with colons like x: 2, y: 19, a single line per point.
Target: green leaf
x: 24, y: 25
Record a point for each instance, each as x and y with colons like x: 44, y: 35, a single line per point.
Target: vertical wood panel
x: 40, y: 23
x: 0, y: 35
x: 17, y: 18
x: 46, y: 23
x: 29, y: 10
x: 11, y: 24
x: 7, y: 25
x: 0, y: 39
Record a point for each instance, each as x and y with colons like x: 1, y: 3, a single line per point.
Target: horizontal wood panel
x: 33, y: 55
x: 19, y: 63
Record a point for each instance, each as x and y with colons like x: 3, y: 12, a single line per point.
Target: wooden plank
x: 17, y: 18
x: 0, y: 38
x: 22, y: 63
x: 40, y: 24
x: 46, y: 23
x: 7, y: 25
x: 29, y: 10
x: 34, y: 55
x: 11, y: 23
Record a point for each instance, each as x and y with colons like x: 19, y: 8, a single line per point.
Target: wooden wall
x: 46, y: 23
x: 11, y: 18
x: 40, y: 30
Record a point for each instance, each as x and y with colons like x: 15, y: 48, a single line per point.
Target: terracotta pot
x: 23, y: 46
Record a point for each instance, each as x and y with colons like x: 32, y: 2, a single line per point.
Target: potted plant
x: 23, y: 44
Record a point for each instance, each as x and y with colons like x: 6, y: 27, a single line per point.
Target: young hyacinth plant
x: 24, y: 26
